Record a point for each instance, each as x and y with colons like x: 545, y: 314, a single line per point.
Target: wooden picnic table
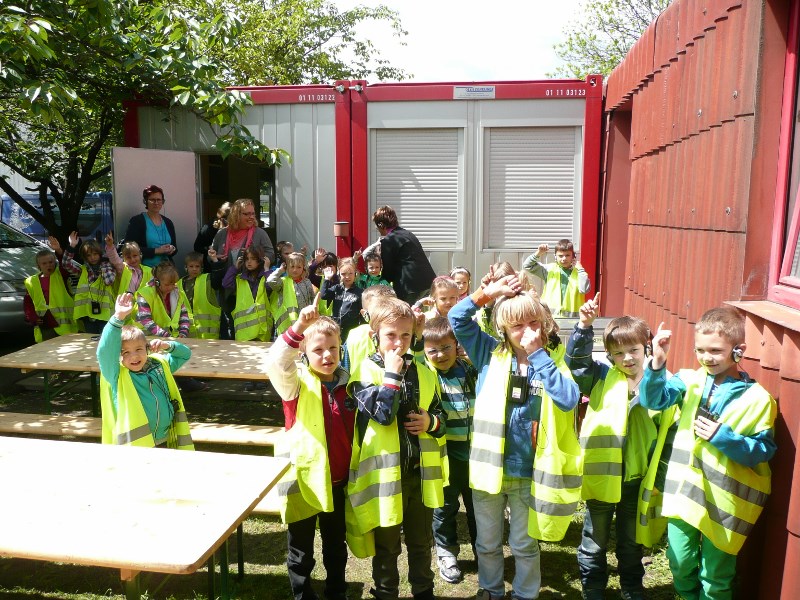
x: 127, y: 508
x: 77, y: 352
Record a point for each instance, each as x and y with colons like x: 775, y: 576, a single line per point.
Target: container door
x: 133, y: 169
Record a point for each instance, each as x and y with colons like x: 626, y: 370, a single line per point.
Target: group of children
x: 452, y: 403
x: 472, y: 399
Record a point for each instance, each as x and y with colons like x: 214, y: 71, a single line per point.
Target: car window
x: 11, y: 238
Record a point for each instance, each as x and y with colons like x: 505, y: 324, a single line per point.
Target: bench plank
x: 202, y: 433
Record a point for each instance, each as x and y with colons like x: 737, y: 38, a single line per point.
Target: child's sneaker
x: 448, y: 569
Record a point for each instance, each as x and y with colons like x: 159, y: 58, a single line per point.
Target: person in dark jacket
x: 405, y: 265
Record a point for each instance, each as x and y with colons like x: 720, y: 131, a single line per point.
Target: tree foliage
x: 291, y: 42
x: 604, y: 33
x: 68, y: 68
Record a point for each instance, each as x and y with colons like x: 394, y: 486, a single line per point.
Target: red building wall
x: 697, y: 102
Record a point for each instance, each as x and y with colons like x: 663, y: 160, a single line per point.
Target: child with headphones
x: 565, y: 281
x: 463, y: 279
x: 399, y: 465
x: 622, y: 445
x: 203, y: 304
x: 319, y: 432
x: 292, y: 290
x: 131, y: 273
x: 162, y: 308
x: 524, y: 452
x: 358, y: 343
x: 718, y: 477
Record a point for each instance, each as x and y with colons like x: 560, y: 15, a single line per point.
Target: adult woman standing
x: 242, y: 232
x: 154, y: 232
x: 208, y: 231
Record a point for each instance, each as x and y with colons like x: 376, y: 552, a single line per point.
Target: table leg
x: 240, y: 549
x: 47, y: 391
x: 130, y: 580
x: 95, y: 394
x: 211, y: 574
x: 224, y: 592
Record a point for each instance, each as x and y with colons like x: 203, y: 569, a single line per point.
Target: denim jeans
x: 444, y: 519
x: 489, y: 517
x: 594, y: 542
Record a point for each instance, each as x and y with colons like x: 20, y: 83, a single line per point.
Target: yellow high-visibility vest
x: 251, y: 319
x: 284, y: 306
x: 159, y: 312
x: 61, y: 304
x: 556, y: 482
x: 570, y: 304
x: 203, y: 313
x: 305, y: 489
x: 127, y: 425
x: 719, y: 496
x: 98, y: 292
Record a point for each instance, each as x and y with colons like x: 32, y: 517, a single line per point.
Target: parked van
x: 94, y: 221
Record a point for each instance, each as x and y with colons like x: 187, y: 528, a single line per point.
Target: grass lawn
x: 265, y: 538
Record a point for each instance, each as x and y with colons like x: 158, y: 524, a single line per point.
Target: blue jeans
x: 489, y: 517
x: 444, y: 518
x: 594, y: 542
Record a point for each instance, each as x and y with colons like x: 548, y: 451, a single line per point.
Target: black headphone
x: 156, y: 282
x: 375, y: 339
x: 737, y: 354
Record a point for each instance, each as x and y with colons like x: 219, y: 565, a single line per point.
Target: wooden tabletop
x: 139, y: 509
x: 218, y: 359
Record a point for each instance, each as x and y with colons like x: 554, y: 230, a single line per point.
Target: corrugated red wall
x: 698, y: 96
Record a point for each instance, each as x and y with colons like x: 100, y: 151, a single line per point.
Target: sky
x: 451, y: 40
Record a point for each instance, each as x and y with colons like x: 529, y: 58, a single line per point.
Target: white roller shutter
x: 416, y: 171
x: 531, y: 187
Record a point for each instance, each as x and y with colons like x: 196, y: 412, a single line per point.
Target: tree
x: 67, y: 68
x: 291, y: 42
x: 607, y: 29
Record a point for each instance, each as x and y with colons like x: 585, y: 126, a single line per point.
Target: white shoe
x: 448, y: 569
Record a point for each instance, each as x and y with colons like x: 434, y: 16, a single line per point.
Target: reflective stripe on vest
x: 203, y: 314
x: 305, y: 489
x: 705, y: 488
x: 250, y: 316
x: 551, y: 295
x: 60, y: 306
x: 98, y: 292
x: 158, y: 311
x: 374, y: 486
x: 603, y: 437
x: 556, y: 481
x: 284, y: 306
x: 128, y: 424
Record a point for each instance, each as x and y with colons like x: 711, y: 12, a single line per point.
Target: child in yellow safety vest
x: 622, y: 445
x: 94, y: 294
x: 565, y: 282
x: 162, y: 308
x: 204, y: 310
x: 399, y: 465
x: 718, y: 477
x: 48, y: 302
x: 291, y: 290
x: 131, y: 273
x: 140, y: 401
x: 443, y: 296
x: 524, y: 453
x: 318, y: 439
x: 359, y: 343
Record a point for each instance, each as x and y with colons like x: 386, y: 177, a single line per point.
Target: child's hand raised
x: 357, y: 254
x: 329, y: 272
x: 307, y: 316
x: 661, y: 342
x: 123, y: 306
x: 417, y: 423
x: 542, y: 249
x: 73, y: 239
x: 109, y: 239
x: 212, y: 255
x: 319, y: 254
x: 53, y: 241
x: 159, y: 345
x: 509, y: 286
x: 590, y: 311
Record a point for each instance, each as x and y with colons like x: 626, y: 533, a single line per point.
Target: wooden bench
x: 202, y: 433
